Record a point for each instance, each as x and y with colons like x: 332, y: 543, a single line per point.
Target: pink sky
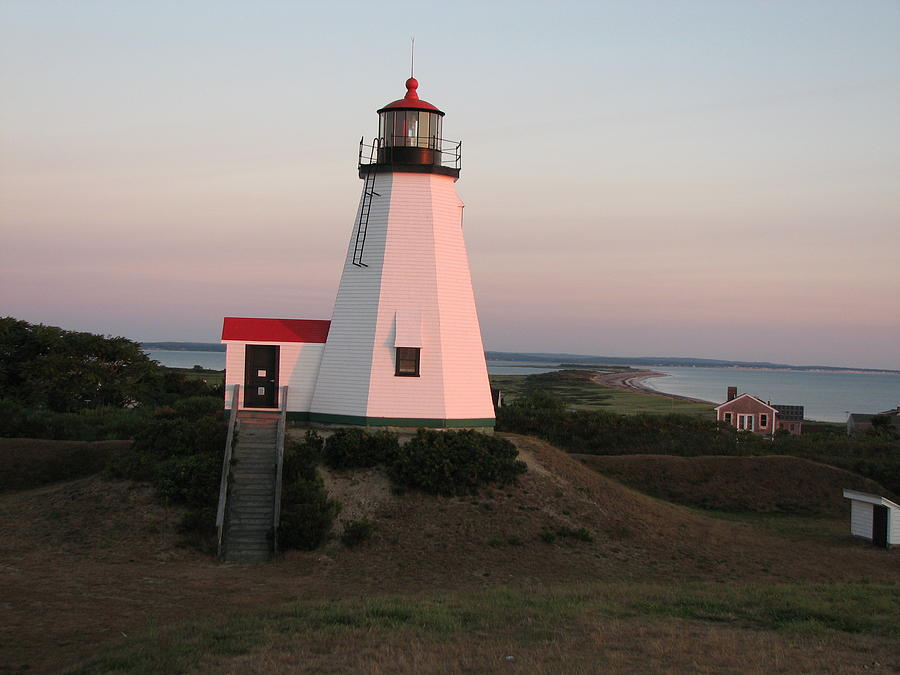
x: 703, y: 179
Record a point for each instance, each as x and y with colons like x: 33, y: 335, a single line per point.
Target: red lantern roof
x: 411, y: 101
x: 274, y: 330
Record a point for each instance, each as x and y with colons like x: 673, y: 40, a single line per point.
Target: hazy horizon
x: 704, y: 179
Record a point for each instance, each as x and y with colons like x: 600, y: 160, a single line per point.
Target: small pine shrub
x: 307, y: 514
x: 455, y: 462
x: 356, y: 532
x: 353, y: 448
x: 192, y: 480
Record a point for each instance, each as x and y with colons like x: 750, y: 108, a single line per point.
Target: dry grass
x: 30, y: 462
x: 576, y: 628
x: 770, y: 484
x: 91, y: 568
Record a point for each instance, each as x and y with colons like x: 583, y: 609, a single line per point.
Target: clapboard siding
x: 298, y: 369
x: 417, y: 266
x: 861, y: 519
x: 343, y: 384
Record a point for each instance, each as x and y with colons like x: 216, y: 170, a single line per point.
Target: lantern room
x: 409, y: 132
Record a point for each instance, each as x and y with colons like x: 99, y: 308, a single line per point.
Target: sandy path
x: 633, y: 381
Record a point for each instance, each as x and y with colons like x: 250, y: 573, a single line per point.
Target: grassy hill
x: 775, y: 484
x: 566, y: 567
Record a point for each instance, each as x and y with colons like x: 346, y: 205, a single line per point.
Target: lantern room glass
x: 409, y: 128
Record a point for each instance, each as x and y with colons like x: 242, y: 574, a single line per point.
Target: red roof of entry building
x: 274, y: 330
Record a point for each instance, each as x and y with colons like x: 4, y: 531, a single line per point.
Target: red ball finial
x: 411, y: 85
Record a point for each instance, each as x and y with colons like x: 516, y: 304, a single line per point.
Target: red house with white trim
x: 749, y: 413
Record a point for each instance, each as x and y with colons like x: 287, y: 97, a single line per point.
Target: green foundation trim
x: 357, y: 420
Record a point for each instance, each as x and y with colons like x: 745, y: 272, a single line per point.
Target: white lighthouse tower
x: 404, y: 346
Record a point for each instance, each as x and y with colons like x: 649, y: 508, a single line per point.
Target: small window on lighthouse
x: 407, y: 362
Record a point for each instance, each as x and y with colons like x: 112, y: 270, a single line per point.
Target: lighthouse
x: 403, y: 347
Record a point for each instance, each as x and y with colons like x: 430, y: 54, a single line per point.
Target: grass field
x: 580, y: 393
x: 571, y: 628
x: 214, y: 378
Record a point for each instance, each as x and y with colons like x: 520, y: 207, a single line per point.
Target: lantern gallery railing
x: 396, y: 150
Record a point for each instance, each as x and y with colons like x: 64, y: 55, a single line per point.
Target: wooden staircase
x: 250, y: 492
x: 250, y: 509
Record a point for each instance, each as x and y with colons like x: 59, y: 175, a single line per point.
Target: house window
x: 407, y: 362
x: 727, y: 417
x: 763, y: 420
x: 745, y: 422
x: 791, y: 427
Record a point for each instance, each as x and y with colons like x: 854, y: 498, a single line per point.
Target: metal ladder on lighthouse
x: 362, y: 224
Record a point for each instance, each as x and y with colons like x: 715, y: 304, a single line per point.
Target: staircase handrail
x: 279, y: 463
x: 226, y: 464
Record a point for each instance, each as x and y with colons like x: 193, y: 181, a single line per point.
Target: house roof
x: 789, y: 413
x: 274, y: 330
x: 870, y: 498
x: 737, y: 398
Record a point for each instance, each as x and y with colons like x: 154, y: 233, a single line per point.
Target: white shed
x: 874, y: 517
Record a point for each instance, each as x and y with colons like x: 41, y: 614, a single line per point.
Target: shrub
x: 356, y: 532
x: 307, y: 513
x: 34, y: 463
x: 179, y: 452
x: 455, y: 462
x: 601, y: 433
x: 90, y: 424
x: 353, y: 448
x: 192, y: 480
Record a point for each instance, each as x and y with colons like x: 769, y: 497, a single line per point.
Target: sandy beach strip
x: 633, y: 381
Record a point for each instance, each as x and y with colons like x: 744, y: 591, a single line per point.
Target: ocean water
x: 827, y: 396
x: 216, y: 361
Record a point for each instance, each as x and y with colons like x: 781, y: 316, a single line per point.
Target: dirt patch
x: 774, y: 484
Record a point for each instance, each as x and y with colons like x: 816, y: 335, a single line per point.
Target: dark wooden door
x: 261, y: 376
x: 879, y: 525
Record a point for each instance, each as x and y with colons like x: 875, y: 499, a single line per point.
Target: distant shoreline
x: 578, y: 360
x: 634, y: 382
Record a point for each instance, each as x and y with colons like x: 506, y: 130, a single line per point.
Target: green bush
x: 353, y: 448
x: 307, y: 514
x: 191, y: 479
x: 356, y: 532
x: 455, y: 462
x: 22, y: 468
x: 602, y: 433
x: 179, y: 451
x: 90, y: 424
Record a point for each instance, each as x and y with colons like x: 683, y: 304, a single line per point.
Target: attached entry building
x: 267, y: 357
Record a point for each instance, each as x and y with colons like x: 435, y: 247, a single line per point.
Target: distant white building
x: 403, y: 347
x: 874, y: 518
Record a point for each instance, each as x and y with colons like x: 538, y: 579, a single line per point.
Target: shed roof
x: 274, y: 330
x: 870, y: 498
